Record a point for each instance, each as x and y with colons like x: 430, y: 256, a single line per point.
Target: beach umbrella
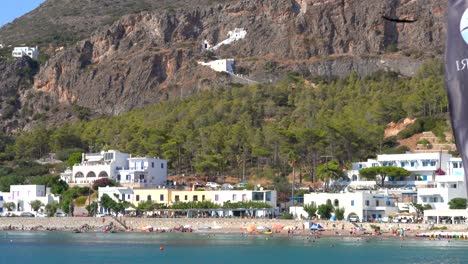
x: 251, y: 228
x: 288, y: 227
x: 277, y: 227
x: 316, y: 227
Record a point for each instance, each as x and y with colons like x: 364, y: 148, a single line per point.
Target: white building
x: 32, y: 52
x: 421, y: 165
x: 363, y: 205
x: 23, y: 195
x: 126, y: 170
x: 118, y: 194
x: 224, y: 65
x: 445, y: 187
x: 234, y: 196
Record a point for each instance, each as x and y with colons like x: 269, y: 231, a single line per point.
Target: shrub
x: 81, y: 201
x: 103, y: 183
x: 287, y: 216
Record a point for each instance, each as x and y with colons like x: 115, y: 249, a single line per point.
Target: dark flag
x: 456, y: 74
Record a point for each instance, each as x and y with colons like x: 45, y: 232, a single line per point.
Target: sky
x: 11, y: 9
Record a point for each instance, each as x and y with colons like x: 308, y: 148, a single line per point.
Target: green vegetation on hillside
x: 261, y: 130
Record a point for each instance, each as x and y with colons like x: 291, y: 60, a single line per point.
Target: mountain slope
x: 152, y: 56
x: 61, y: 22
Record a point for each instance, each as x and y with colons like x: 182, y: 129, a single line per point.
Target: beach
x: 217, y: 225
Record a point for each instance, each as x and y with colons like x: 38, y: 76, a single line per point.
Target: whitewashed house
x: 445, y: 187
x: 126, y: 170
x: 224, y: 65
x: 362, y: 206
x: 32, y: 52
x: 233, y: 196
x: 421, y: 165
x: 23, y: 195
x: 118, y: 194
x: 233, y: 35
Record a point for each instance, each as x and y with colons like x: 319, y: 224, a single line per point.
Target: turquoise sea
x: 37, y: 248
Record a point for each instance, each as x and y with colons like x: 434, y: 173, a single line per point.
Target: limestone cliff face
x: 149, y: 57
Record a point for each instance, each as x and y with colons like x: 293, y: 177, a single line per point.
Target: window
x: 203, y: 197
x: 268, y: 196
x: 123, y: 197
x: 352, y: 202
x: 244, y: 197
x: 177, y: 198
x: 108, y: 156
x: 234, y: 197
x: 388, y: 203
x: 367, y: 203
x: 257, y: 196
x: 152, y: 164
x: 412, y: 163
x: 127, y: 177
x: 128, y: 196
x: 148, y: 198
x: 216, y: 197
x: 142, y: 165
x: 162, y: 165
x: 403, y: 164
x: 1, y: 198
x: 377, y: 203
x: 425, y: 163
x: 137, y: 198
x: 186, y: 197
x: 433, y: 163
x: 336, y: 203
x: 195, y: 198
x: 424, y: 199
x: 360, y: 166
x: 161, y: 197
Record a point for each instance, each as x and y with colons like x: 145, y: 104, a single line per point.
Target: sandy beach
x: 217, y: 226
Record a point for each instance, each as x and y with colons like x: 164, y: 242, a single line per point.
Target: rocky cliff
x: 152, y: 56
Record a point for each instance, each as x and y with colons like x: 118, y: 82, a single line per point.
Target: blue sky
x: 11, y: 9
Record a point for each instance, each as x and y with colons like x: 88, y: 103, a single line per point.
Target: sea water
x: 38, y: 247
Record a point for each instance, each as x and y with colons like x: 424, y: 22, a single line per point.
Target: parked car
x: 213, y: 185
x: 227, y: 186
x: 27, y: 214
x: 60, y: 214
x: 354, y: 218
x: 242, y: 184
x: 41, y: 215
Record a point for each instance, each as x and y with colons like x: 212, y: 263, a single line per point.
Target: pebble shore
x: 220, y: 225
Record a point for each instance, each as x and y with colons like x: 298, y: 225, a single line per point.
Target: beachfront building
x: 439, y: 192
x: 168, y: 197
x: 121, y: 167
x: 423, y: 166
x: 190, y: 196
x: 118, y: 194
x: 23, y: 195
x: 32, y: 52
x: 234, y: 196
x: 160, y: 196
x: 358, y: 206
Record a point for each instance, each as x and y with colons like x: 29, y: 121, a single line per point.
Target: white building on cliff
x: 32, y: 52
